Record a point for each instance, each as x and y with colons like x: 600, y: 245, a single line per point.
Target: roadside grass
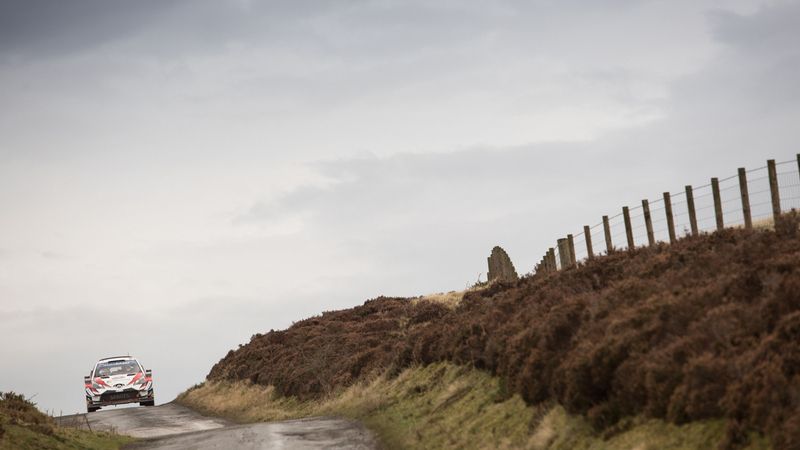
x: 18, y: 437
x: 23, y: 426
x: 447, y: 406
x: 244, y: 402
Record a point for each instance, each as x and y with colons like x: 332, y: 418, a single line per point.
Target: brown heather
x: 708, y: 327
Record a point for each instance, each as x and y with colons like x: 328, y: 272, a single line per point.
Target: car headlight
x: 97, y: 386
x: 141, y: 381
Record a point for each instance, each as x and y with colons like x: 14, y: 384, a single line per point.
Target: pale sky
x: 177, y: 176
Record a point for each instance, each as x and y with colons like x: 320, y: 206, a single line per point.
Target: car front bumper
x: 119, y: 397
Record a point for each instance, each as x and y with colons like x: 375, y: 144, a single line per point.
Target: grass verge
x: 444, y: 406
x: 23, y: 426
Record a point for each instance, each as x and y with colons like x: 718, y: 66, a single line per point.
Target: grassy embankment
x: 23, y: 426
x: 443, y: 406
x: 690, y: 345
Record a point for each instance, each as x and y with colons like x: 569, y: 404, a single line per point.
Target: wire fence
x: 751, y: 198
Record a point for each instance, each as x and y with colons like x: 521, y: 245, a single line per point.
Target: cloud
x: 740, y: 104
x: 52, y: 28
x: 762, y: 65
x: 771, y: 31
x: 398, y: 220
x: 251, y: 80
x: 419, y: 186
x: 55, y: 255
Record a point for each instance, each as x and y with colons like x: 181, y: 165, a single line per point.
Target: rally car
x: 116, y: 381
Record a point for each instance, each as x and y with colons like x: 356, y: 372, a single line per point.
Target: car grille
x: 117, y: 396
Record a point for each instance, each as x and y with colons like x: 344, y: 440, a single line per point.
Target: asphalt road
x: 172, y: 427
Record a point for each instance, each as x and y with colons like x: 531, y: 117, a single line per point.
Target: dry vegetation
x: 450, y: 299
x: 707, y: 329
x: 453, y: 298
x: 23, y: 426
x: 443, y: 405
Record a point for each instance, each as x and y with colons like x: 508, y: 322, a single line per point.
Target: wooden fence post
x: 607, y: 229
x: 773, y: 189
x: 587, y: 235
x: 571, y: 243
x: 670, y: 219
x: 648, y: 222
x: 692, y: 215
x: 798, y: 163
x: 563, y: 253
x: 628, y: 228
x: 551, y: 256
x: 748, y: 220
x: 717, y: 203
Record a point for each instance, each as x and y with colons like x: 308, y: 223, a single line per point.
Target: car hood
x: 123, y: 380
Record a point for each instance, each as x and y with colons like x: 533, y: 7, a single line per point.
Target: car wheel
x: 152, y: 403
x: 91, y: 409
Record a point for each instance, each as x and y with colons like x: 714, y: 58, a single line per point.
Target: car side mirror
x: 148, y: 373
x: 87, y: 379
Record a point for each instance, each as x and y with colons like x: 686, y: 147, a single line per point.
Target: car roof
x: 120, y: 358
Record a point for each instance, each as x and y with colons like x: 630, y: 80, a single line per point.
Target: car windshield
x: 116, y: 368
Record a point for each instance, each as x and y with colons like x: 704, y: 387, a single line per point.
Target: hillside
x: 23, y: 426
x: 706, y: 328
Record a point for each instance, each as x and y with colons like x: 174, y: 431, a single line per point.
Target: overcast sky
x: 176, y: 176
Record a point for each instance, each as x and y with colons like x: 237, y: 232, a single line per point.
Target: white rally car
x: 116, y: 381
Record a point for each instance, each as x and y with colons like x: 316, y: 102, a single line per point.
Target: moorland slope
x: 705, y: 328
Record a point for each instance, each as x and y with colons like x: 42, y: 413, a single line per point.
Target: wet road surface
x: 171, y: 426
